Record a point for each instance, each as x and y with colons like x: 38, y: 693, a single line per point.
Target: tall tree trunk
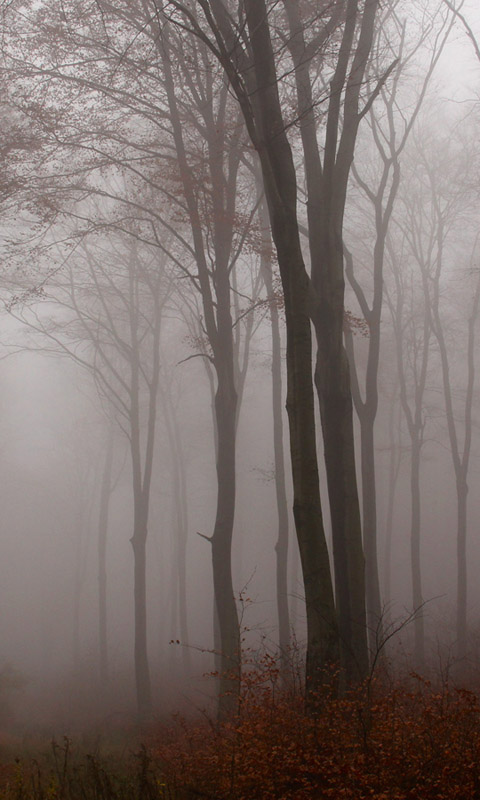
x: 180, y: 526
x: 221, y: 540
x: 333, y: 387
x: 216, y: 303
x: 332, y: 380
x: 280, y: 190
x: 105, y: 491
x: 419, y: 628
x: 462, y: 495
x: 281, y: 547
x: 460, y: 455
x: 142, y: 469
x: 142, y: 670
x: 395, y: 457
x: 369, y: 501
x: 414, y: 412
x: 326, y: 188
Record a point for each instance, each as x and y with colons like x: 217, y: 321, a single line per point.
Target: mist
x: 239, y: 354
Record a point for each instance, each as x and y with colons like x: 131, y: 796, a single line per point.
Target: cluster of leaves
x: 411, y: 740
x: 357, y: 325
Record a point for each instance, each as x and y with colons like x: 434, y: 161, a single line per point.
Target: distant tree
x: 390, y: 124
x: 169, y: 130
x: 446, y: 174
x: 413, y: 340
x: 106, y: 488
x: 434, y: 201
x: 107, y: 313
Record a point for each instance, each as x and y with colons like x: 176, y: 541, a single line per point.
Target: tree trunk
x: 394, y: 460
x: 142, y: 671
x: 326, y: 190
x: 333, y: 387
x: 280, y: 190
x: 281, y: 547
x: 221, y: 540
x: 369, y: 500
x: 417, y: 596
x: 180, y: 526
x: 462, y: 495
x: 332, y: 381
x: 105, y: 491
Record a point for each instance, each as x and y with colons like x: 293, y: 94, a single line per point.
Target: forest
x: 240, y: 328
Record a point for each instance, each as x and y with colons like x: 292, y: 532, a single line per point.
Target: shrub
x: 409, y: 740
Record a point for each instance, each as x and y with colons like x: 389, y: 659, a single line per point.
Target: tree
x: 390, y: 127
x: 184, y: 168
x: 434, y: 199
x: 444, y: 209
x: 413, y: 334
x: 244, y: 46
x: 108, y: 317
x: 106, y: 487
x: 215, y: 270
x: 281, y: 547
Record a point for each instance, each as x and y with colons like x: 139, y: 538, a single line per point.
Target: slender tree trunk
x: 77, y: 590
x: 462, y: 495
x: 332, y: 380
x: 414, y: 415
x: 337, y: 425
x: 419, y: 628
x: 369, y: 498
x: 142, y: 479
x: 180, y: 526
x: 105, y: 491
x: 281, y: 547
x: 393, y: 471
x: 216, y: 302
x: 460, y: 456
x: 221, y: 540
x: 280, y: 190
x: 142, y: 670
x: 326, y: 188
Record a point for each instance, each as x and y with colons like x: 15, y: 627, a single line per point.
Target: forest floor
x: 403, y: 739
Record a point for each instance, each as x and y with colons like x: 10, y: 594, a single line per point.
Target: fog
x: 120, y: 282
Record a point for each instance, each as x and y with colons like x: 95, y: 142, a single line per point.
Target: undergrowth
x: 403, y: 740
x: 63, y: 772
